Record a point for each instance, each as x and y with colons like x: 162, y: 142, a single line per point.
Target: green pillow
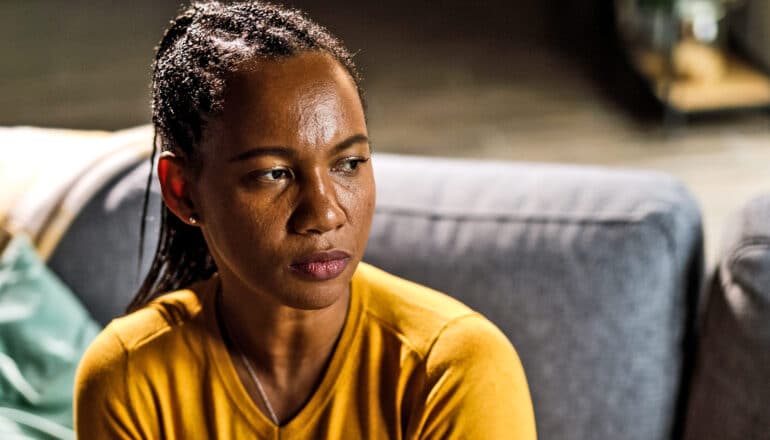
x: 44, y: 331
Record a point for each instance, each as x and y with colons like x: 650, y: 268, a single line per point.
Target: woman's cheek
x: 365, y: 199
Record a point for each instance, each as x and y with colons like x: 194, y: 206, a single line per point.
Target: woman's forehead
x: 308, y: 99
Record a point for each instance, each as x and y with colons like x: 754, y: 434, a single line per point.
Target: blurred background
x: 673, y: 85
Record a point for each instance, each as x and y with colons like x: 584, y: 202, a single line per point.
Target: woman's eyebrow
x: 289, y: 153
x: 349, y: 142
x: 263, y: 151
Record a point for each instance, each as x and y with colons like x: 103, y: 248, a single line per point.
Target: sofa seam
x: 737, y: 250
x: 541, y: 219
x: 736, y: 253
x: 510, y: 218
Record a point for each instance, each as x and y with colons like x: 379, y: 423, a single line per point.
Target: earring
x: 193, y: 219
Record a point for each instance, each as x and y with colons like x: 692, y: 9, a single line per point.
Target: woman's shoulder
x: 421, y: 315
x: 133, y: 356
x: 163, y: 318
x: 166, y: 313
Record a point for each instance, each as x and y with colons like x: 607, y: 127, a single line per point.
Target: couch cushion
x: 731, y: 388
x: 590, y: 272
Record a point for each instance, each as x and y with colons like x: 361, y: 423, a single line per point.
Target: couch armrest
x: 731, y: 387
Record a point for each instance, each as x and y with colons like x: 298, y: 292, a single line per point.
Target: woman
x: 272, y: 327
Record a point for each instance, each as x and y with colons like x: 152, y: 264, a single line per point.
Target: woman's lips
x: 321, y: 266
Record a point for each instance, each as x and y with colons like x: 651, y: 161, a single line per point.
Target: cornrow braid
x: 200, y: 48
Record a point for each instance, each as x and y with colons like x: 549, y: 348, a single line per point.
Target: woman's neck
x: 281, y: 341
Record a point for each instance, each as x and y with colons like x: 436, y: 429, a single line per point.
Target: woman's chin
x: 317, y: 295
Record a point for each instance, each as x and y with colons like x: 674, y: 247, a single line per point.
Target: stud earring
x: 193, y: 219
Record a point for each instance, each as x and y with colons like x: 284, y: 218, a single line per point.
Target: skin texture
x: 284, y: 172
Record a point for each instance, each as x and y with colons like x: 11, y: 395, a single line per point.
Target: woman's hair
x: 200, y: 48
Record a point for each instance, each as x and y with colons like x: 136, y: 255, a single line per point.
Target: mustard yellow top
x: 411, y: 363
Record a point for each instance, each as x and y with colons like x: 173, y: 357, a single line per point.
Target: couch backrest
x: 590, y: 272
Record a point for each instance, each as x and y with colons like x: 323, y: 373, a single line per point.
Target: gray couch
x: 730, y: 398
x: 593, y: 274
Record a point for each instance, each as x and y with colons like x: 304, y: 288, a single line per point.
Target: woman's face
x: 285, y: 192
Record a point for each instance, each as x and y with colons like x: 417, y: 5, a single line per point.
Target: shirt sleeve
x: 475, y: 385
x: 101, y: 404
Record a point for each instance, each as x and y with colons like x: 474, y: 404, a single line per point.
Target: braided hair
x: 200, y: 48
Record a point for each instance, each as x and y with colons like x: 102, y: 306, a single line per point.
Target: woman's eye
x: 273, y: 175
x: 351, y: 164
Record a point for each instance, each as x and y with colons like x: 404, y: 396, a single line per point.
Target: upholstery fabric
x: 100, y: 251
x: 731, y: 388
x: 41, y: 197
x: 590, y: 272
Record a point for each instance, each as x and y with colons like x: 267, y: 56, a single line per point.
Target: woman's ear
x: 175, y: 188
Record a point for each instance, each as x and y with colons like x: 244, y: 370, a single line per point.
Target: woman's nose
x: 318, y: 210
